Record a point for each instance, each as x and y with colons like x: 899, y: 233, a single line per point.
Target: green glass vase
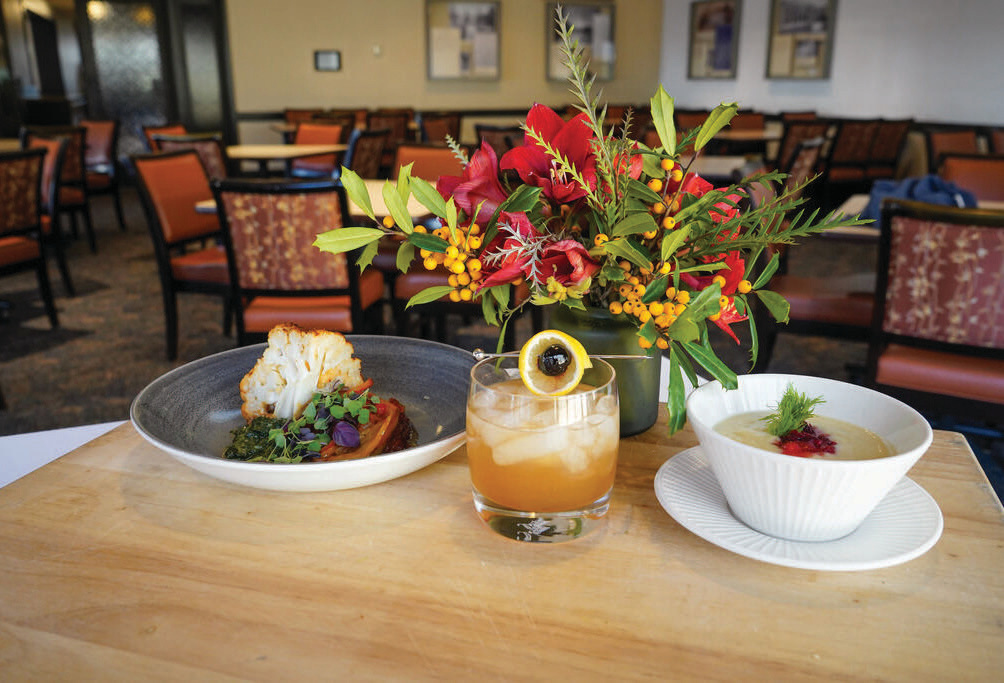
x: 637, y: 380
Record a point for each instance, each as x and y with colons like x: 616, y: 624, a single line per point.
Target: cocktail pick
x: 481, y: 355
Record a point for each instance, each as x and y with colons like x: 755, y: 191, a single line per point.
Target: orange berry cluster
x: 459, y: 259
x: 663, y: 312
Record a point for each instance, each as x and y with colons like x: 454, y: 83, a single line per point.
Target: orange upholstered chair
x: 890, y: 139
x: 21, y: 238
x: 316, y: 133
x: 940, y: 142
x: 429, y: 161
x: 297, y: 115
x: 161, y: 129
x: 847, y: 163
x: 938, y: 332
x: 277, y: 274
x: 101, y: 162
x: 55, y: 156
x: 996, y: 136
x: 981, y: 174
x: 209, y: 147
x: 189, y: 259
x: 72, y: 196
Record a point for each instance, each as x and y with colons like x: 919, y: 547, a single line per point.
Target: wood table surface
x: 856, y: 203
x: 119, y: 563
x: 10, y: 145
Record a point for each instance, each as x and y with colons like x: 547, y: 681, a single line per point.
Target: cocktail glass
x: 542, y: 467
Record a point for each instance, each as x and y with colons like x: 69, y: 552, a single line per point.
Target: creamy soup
x: 853, y: 442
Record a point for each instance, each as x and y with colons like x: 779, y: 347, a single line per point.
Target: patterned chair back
x: 208, y: 147
x: 852, y: 143
x: 72, y: 174
x: 941, y: 271
x: 21, y: 191
x: 941, y: 142
x: 270, y: 228
x: 396, y: 121
x: 55, y: 157
x: 170, y: 185
x: 366, y: 151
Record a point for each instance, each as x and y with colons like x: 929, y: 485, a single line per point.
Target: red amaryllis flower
x: 478, y: 186
x: 568, y: 262
x: 569, y: 139
x: 733, y: 272
x: 505, y: 258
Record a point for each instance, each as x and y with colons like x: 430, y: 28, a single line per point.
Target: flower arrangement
x: 588, y: 217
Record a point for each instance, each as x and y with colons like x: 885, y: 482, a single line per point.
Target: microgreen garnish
x: 792, y: 412
x: 334, y: 416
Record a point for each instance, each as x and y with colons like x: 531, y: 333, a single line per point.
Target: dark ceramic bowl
x: 190, y: 411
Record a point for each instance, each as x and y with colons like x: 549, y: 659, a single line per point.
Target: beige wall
x: 383, y: 57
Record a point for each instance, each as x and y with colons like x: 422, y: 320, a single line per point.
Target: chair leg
x: 117, y: 196
x: 46, y: 290
x: 92, y: 240
x: 228, y: 315
x: 170, y: 322
x: 64, y: 271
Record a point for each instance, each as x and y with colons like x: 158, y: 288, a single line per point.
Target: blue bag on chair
x: 929, y: 188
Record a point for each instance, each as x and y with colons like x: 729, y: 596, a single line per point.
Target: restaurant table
x: 374, y: 188
x: 9, y: 144
x: 120, y: 563
x: 266, y: 153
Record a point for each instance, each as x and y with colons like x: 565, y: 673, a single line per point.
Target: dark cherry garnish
x: 554, y: 360
x: 806, y: 441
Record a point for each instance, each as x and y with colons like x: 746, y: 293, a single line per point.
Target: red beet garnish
x: 806, y: 441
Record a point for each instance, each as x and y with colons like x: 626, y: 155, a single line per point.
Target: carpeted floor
x: 110, y: 343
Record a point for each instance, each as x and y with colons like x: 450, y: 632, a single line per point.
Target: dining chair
x: 277, y: 275
x: 316, y: 132
x: 996, y: 140
x: 687, y: 119
x: 799, y: 115
x: 72, y: 199
x: 981, y: 174
x: 161, y: 129
x: 209, y: 147
x: 52, y: 233
x: 365, y: 152
x: 296, y: 115
x: 22, y: 242
x: 436, y: 126
x: 847, y: 160
x: 959, y: 141
x: 429, y: 162
x: 887, y: 147
x: 937, y: 336
x: 186, y: 244
x: 821, y: 305
x: 501, y: 138
x: 338, y: 117
x: 795, y: 132
x: 397, y: 121
x: 101, y: 163
x: 748, y: 120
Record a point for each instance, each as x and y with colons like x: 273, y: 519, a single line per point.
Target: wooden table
x: 119, y: 563
x: 10, y: 145
x: 266, y: 153
x: 373, y: 187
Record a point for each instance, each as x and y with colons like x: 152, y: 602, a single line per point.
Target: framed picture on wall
x: 801, y: 38
x: 462, y: 40
x: 714, y: 38
x: 593, y: 26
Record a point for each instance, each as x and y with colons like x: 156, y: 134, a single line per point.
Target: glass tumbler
x: 542, y: 467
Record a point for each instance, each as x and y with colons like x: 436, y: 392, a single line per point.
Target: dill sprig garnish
x: 792, y: 412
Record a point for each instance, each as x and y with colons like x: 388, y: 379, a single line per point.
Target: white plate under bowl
x: 905, y: 525
x: 190, y: 411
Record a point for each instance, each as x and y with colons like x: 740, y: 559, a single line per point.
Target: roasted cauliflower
x: 295, y: 364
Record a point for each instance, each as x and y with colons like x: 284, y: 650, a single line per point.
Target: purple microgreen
x: 346, y: 435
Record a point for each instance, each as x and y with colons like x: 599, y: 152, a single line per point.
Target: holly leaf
x: 340, y: 240
x: 775, y: 303
x: 428, y: 196
x: 428, y: 295
x: 355, y: 188
x: 720, y: 117
x: 397, y: 208
x: 662, y: 117
x: 405, y: 255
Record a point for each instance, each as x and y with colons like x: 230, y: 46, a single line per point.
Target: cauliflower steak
x: 296, y: 364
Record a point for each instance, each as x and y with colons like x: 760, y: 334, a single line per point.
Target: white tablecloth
x: 24, y: 453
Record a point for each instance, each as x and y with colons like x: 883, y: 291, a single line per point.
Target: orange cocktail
x: 545, y: 463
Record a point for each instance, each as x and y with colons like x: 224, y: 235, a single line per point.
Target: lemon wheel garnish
x: 534, y: 376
